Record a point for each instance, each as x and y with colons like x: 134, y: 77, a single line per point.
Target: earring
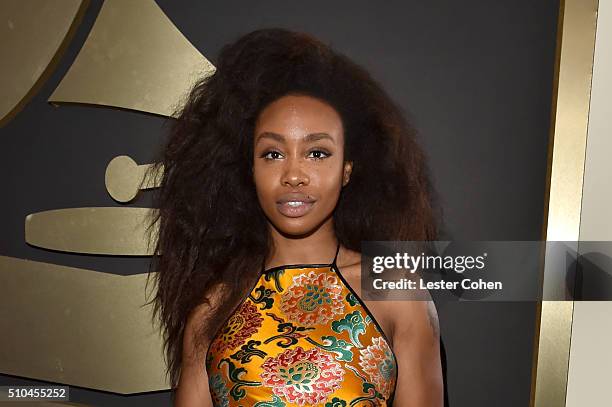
x: 346, y: 179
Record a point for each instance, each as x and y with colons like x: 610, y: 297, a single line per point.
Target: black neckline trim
x: 297, y: 265
x: 302, y: 265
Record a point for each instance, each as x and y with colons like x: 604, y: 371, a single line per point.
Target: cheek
x: 328, y: 181
x: 265, y: 181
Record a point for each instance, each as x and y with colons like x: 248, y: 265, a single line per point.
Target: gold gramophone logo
x: 69, y: 325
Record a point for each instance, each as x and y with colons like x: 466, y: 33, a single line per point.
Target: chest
x: 303, y: 336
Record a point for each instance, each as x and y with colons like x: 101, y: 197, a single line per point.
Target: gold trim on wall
x: 567, y: 147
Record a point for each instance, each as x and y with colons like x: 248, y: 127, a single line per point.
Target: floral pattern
x: 377, y: 362
x: 238, y: 328
x: 353, y: 323
x: 301, y: 338
x: 302, y: 376
x: 313, y: 299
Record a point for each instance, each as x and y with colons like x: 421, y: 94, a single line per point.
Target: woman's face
x: 299, y: 166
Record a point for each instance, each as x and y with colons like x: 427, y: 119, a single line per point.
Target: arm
x: 416, y: 344
x: 193, y: 387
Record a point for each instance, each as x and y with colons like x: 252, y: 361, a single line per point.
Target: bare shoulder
x: 193, y: 387
x: 413, y: 310
x: 416, y: 341
x: 414, y: 317
x: 194, y: 325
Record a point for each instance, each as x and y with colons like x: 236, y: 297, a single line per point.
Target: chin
x: 295, y: 226
x: 294, y: 230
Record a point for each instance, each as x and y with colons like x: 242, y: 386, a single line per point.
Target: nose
x: 294, y: 174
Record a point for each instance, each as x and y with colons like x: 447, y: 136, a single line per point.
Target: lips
x: 295, y: 204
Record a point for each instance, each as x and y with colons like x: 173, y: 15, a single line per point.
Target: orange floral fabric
x: 302, y: 337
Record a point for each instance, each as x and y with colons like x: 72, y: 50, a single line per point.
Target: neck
x: 313, y: 248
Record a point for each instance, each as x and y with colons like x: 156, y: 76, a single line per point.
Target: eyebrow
x: 281, y: 138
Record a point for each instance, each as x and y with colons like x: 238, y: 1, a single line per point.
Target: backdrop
x: 475, y: 76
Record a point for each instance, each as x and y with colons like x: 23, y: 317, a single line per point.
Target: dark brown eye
x: 319, y: 154
x: 267, y: 154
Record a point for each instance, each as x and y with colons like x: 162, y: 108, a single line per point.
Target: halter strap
x: 333, y: 263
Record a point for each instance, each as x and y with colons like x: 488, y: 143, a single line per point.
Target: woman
x: 287, y: 156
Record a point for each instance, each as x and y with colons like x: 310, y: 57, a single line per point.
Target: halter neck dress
x: 302, y: 337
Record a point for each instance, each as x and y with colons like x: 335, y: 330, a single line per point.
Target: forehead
x: 294, y: 115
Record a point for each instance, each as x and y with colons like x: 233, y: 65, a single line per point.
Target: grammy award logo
x: 71, y: 325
